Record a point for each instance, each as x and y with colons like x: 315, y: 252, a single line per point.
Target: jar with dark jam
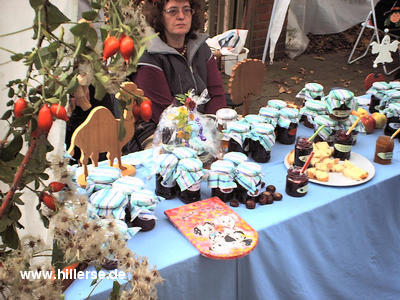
x: 312, y: 109
x: 165, y: 183
x: 287, y: 126
x: 328, y: 132
x: 249, y: 183
x: 221, y: 180
x: 302, y: 150
x: 262, y: 138
x: 235, y: 133
x: 374, y: 103
x: 189, y: 173
x: 339, y: 103
x: 296, y: 182
x: 384, y: 150
x: 342, y: 145
x: 393, y: 119
x: 311, y: 91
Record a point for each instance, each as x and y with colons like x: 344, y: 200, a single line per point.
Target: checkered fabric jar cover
x: 277, y: 104
x: 311, y: 91
x: 263, y: 133
x: 235, y: 157
x: 109, y: 202
x: 221, y: 175
x: 329, y: 125
x: 237, y: 131
x: 270, y: 114
x: 248, y: 175
x: 188, y: 172
x: 288, y: 115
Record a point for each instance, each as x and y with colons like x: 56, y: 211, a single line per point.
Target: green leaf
x: 52, y: 100
x: 7, y: 115
x: 17, y: 57
x: 11, y: 93
x: 9, y: 103
x: 55, y: 16
x: 36, y: 3
x: 103, y: 78
x: 103, y: 32
x: 4, y: 222
x: 21, y: 121
x: 10, y: 237
x: 15, y: 213
x: 90, y: 15
x: 53, y: 47
x: 44, y: 219
x: 116, y: 291
x: 80, y: 29
x: 73, y: 84
x: 10, y: 151
x: 95, y: 4
x: 100, y: 90
x: 91, y: 36
x: 44, y: 176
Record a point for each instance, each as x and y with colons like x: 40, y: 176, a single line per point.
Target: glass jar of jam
x: 225, y: 116
x: 339, y: 103
x: 384, y: 150
x: 296, y: 182
x: 393, y: 119
x: 302, y: 151
x: 141, y: 209
x: 165, y: 183
x: 189, y: 173
x: 374, y: 103
x: 262, y: 138
x: 311, y: 109
x: 328, y: 132
x: 342, y: 145
x: 249, y: 184
x: 221, y: 180
x: 270, y: 114
x: 236, y: 134
x: 311, y: 91
x: 287, y: 126
x: 391, y: 96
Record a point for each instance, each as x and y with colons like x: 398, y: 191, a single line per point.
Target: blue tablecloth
x: 334, y: 243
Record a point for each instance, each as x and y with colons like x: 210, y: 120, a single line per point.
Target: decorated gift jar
x: 287, y: 125
x: 340, y: 103
x: 277, y: 104
x: 392, y: 113
x: 296, y: 182
x: 101, y: 177
x: 142, y: 205
x: 342, y: 145
x: 391, y: 96
x: 311, y: 91
x: 254, y: 119
x: 236, y: 133
x: 327, y: 133
x: 377, y: 92
x: 270, y: 114
x: 165, y: 183
x: 262, y: 138
x: 249, y: 181
x: 221, y: 180
x: 310, y: 110
x: 235, y: 157
x: 188, y: 175
x: 225, y: 116
x: 184, y: 152
x: 108, y: 202
x: 347, y: 123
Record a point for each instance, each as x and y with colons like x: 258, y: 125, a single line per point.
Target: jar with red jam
x: 236, y: 133
x: 221, y: 180
x: 377, y: 92
x: 262, y: 138
x: 302, y: 151
x: 296, y: 182
x: 287, y: 125
x: 342, y: 145
x: 384, y: 150
x: 188, y: 175
x: 165, y: 183
x: 310, y: 110
x: 392, y: 113
x: 249, y: 181
x: 340, y: 103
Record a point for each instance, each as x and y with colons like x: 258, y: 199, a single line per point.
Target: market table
x: 334, y: 243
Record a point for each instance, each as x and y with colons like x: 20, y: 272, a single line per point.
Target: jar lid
x: 341, y: 94
x: 108, y: 199
x: 291, y: 113
x: 324, y: 120
x: 381, y: 85
x: 278, y: 104
x: 254, y: 119
x: 223, y: 166
x: 144, y: 198
x: 314, y: 87
x: 393, y: 94
x: 264, y: 129
x: 395, y: 85
x: 184, y: 152
x: 235, y: 157
x: 395, y: 107
x: 315, y: 105
x: 238, y: 126
x: 226, y: 114
x: 270, y: 112
x: 249, y: 169
x: 190, y: 164
x: 104, y: 174
x: 128, y: 184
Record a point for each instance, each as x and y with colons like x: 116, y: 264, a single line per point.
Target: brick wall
x: 258, y: 31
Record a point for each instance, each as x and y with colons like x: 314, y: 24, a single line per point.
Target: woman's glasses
x: 174, y: 11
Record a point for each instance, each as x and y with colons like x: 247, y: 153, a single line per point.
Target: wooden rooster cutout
x: 99, y: 133
x: 383, y: 49
x: 247, y: 80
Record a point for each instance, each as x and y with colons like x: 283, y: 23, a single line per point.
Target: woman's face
x: 177, y: 16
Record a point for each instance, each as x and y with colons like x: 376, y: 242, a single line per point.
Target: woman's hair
x: 153, y: 10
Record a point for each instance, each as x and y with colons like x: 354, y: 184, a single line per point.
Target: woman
x: 178, y: 60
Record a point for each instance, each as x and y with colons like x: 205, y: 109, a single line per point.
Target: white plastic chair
x: 375, y: 37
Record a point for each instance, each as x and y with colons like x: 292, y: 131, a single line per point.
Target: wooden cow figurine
x: 99, y: 132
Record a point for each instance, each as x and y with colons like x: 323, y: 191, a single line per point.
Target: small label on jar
x: 341, y: 113
x: 168, y: 184
x: 385, y: 155
x: 303, y: 158
x: 194, y: 187
x: 394, y: 126
x: 303, y: 189
x: 255, y: 194
x: 342, y: 148
x: 226, y: 191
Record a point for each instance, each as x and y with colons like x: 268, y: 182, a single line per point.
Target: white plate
x: 337, y: 179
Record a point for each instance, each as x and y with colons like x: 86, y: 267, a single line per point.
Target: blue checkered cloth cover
x: 143, y: 204
x: 288, y: 115
x: 235, y: 157
x: 337, y: 97
x: 270, y: 114
x: 221, y: 175
x: 347, y: 123
x: 109, y: 202
x: 248, y: 175
x: 167, y: 167
x: 395, y: 85
x: 263, y: 133
x: 184, y: 152
x: 128, y: 184
x: 237, y: 131
x: 313, y: 108
x: 277, y: 104
x: 393, y: 110
x: 254, y: 119
x: 329, y: 126
x: 391, y: 96
x: 104, y: 174
x: 92, y: 186
x: 311, y: 91
x: 188, y: 172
